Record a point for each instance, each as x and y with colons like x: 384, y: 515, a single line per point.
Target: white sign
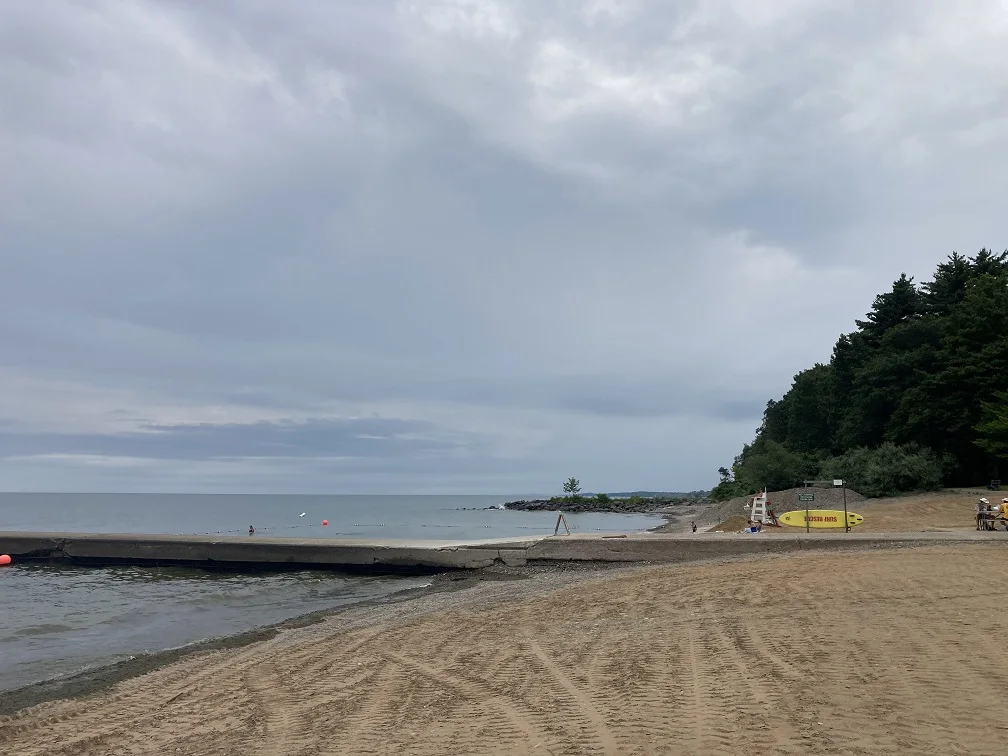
x: 837, y: 483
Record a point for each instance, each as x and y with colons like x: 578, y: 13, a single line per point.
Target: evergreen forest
x: 915, y: 398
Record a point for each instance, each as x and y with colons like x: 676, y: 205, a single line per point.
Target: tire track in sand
x: 288, y: 731
x: 596, y: 726
x: 703, y: 708
x: 764, y: 696
x: 521, y: 723
x: 308, y: 664
x: 57, y: 724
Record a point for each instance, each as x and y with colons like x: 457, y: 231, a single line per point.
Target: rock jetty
x: 604, y: 503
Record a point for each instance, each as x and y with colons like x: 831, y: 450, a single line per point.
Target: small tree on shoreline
x: 572, y: 488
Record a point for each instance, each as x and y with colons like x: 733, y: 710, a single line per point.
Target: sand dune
x: 859, y: 652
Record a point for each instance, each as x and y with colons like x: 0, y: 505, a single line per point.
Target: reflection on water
x: 56, y: 621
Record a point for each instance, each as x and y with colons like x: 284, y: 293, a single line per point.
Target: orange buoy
x: 5, y: 560
x: 325, y: 522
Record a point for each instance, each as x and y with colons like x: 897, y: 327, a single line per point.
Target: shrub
x: 889, y: 469
x: 728, y: 489
x: 768, y: 464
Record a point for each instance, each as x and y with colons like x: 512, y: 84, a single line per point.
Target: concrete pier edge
x: 392, y: 556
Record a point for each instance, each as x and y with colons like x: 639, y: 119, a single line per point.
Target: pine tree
x: 900, y: 305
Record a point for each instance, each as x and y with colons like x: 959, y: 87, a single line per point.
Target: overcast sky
x: 462, y: 245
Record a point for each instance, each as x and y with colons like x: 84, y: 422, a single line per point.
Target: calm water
x: 455, y: 517
x: 55, y: 621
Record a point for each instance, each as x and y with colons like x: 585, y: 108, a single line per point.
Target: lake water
x: 56, y: 621
x: 440, y: 517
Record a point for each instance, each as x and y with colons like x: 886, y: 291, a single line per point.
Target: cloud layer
x: 461, y: 245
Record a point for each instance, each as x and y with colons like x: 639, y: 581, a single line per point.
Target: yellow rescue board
x: 820, y: 518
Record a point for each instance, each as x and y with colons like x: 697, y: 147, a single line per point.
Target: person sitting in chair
x: 1001, y: 514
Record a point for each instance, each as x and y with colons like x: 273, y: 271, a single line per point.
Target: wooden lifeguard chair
x: 759, y: 510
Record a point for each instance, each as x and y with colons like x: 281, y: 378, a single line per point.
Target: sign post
x: 842, y: 484
x: 806, y: 497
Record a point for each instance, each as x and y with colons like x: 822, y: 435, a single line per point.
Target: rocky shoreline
x: 602, y: 503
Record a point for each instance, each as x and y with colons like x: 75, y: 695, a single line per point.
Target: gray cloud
x: 365, y: 438
x: 544, y: 236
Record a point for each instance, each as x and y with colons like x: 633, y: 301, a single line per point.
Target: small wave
x: 50, y: 676
x: 45, y: 629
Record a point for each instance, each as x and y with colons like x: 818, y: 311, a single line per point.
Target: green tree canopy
x: 915, y: 396
x: 572, y: 487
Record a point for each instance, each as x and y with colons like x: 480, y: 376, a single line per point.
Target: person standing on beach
x: 251, y: 530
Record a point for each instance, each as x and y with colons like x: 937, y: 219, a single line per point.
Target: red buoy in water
x: 5, y: 560
x: 325, y: 522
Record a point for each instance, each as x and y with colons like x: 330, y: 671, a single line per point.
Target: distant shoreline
x: 607, y: 504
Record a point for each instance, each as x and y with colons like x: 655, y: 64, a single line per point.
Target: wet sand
x: 754, y: 655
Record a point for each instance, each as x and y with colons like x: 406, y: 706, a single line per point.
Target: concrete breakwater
x: 393, y: 556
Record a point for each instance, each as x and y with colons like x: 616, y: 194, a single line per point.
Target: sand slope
x: 936, y: 511
x: 676, y: 659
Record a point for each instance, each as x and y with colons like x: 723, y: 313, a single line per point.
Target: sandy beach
x: 853, y: 652
x: 938, y: 511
